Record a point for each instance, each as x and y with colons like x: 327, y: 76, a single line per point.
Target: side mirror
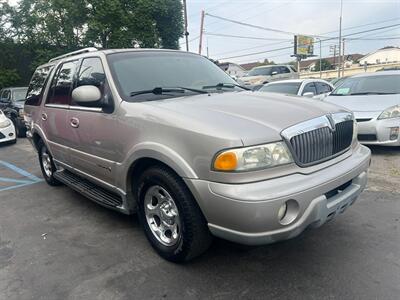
x: 87, y: 95
x: 308, y: 95
x: 274, y: 73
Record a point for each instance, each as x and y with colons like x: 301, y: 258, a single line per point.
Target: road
x: 55, y: 244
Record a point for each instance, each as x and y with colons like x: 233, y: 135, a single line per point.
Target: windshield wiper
x: 225, y: 85
x: 161, y: 91
x: 337, y: 94
x: 371, y: 93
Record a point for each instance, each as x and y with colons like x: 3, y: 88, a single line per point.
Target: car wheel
x: 47, y: 165
x: 171, y: 218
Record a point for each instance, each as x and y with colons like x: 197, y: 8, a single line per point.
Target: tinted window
x: 284, y: 70
x: 37, y: 85
x: 385, y: 84
x: 60, y: 89
x: 283, y: 88
x: 310, y: 88
x: 6, y: 95
x: 322, y: 87
x: 260, y: 71
x: 276, y: 69
x: 138, y: 71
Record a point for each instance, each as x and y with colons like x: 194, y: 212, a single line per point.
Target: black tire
x: 48, y: 177
x: 194, y: 237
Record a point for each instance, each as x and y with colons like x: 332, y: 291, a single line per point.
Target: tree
x: 8, y: 77
x: 325, y: 65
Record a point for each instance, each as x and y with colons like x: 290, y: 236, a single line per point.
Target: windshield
x: 290, y: 88
x: 141, y: 71
x: 260, y: 71
x: 19, y: 95
x: 385, y: 84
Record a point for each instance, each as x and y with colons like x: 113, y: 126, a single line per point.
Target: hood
x: 19, y: 104
x: 251, y: 116
x: 365, y: 105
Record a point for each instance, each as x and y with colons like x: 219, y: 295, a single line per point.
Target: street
x: 56, y: 244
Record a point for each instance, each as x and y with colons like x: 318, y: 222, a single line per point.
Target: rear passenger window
x: 61, y: 85
x: 323, y: 88
x: 37, y: 85
x: 284, y: 70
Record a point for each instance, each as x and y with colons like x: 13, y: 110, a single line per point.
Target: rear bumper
x: 379, y: 132
x: 248, y: 213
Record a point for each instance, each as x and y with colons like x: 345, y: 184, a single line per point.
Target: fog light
x: 288, y: 212
x: 10, y: 134
x: 282, y: 212
x: 394, y: 133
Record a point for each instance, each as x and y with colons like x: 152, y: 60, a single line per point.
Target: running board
x: 89, y: 189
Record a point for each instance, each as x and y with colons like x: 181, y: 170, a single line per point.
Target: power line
x: 244, y: 37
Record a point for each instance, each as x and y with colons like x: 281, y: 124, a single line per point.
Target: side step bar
x: 89, y: 189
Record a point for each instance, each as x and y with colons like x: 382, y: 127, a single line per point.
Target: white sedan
x: 7, y: 130
x: 311, y: 88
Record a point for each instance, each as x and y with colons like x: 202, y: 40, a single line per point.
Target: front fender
x: 158, y: 152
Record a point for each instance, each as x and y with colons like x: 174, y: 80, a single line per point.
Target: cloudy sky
x: 315, y: 17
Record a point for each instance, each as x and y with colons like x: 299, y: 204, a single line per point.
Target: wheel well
x: 36, y: 138
x: 139, y: 166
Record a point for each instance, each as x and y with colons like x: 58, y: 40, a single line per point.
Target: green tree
x: 8, y: 78
x: 325, y: 65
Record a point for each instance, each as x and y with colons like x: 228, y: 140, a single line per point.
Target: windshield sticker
x: 343, y: 91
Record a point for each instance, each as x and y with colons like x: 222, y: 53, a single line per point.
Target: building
x: 382, y: 56
x: 309, y: 64
x: 232, y: 69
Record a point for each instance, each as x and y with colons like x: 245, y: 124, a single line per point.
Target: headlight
x: 5, y: 123
x: 253, y: 158
x: 391, y: 112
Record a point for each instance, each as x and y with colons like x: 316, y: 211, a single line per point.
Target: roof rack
x: 81, y: 51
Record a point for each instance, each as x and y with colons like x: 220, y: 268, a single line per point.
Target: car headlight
x: 5, y: 123
x: 252, y: 158
x: 391, y: 112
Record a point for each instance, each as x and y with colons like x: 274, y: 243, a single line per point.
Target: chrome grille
x: 320, y: 139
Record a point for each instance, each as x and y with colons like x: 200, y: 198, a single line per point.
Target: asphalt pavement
x: 56, y: 244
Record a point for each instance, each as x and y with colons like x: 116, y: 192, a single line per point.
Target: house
x: 309, y: 65
x: 382, y: 56
x: 232, y: 69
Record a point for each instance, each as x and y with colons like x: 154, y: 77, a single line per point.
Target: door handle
x: 74, y: 122
x: 44, y: 116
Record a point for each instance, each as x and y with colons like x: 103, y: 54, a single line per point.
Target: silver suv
x: 169, y: 136
x: 259, y: 76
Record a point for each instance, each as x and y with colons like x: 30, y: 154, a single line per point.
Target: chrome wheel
x: 162, y: 215
x: 46, y: 163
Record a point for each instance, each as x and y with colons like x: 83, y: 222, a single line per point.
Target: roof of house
x: 333, y: 59
x: 252, y: 65
x: 387, y: 48
x: 225, y: 65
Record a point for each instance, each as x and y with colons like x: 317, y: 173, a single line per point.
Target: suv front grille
x: 320, y: 142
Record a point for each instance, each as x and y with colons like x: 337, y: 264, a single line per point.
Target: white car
x: 374, y: 99
x: 264, y: 74
x: 7, y: 130
x: 312, y: 88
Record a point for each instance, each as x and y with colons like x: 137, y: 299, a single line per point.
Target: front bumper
x: 248, y: 213
x: 377, y: 132
x: 7, y: 134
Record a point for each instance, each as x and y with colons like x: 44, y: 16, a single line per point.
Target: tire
x: 47, y: 165
x: 189, y: 236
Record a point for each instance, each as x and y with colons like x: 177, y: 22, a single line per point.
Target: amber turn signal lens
x: 226, y: 161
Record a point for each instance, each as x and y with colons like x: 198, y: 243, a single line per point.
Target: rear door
x: 96, y: 143
x: 53, y: 118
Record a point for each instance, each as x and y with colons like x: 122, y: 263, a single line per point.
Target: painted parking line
x: 28, y: 177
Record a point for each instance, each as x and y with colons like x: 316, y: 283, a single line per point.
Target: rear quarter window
x: 36, y: 86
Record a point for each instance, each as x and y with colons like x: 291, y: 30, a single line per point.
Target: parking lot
x: 55, y: 244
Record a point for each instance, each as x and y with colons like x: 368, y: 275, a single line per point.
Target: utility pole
x: 320, y: 57
x: 186, y: 25
x: 340, y: 36
x: 343, y: 59
x: 201, y: 31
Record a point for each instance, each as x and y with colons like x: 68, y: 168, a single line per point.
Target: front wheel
x: 172, y: 220
x: 47, y: 165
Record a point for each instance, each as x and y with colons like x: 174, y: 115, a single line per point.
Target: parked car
x: 193, y: 154
x: 7, y: 130
x: 374, y: 99
x: 259, y: 76
x: 311, y: 88
x: 12, y: 103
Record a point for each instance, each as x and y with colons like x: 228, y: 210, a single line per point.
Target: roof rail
x: 81, y: 51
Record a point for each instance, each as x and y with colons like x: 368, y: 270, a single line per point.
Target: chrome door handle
x: 74, y: 122
x: 44, y: 116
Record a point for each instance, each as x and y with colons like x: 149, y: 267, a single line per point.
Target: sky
x: 312, y: 17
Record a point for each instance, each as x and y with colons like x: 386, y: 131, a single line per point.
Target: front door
x: 95, y: 144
